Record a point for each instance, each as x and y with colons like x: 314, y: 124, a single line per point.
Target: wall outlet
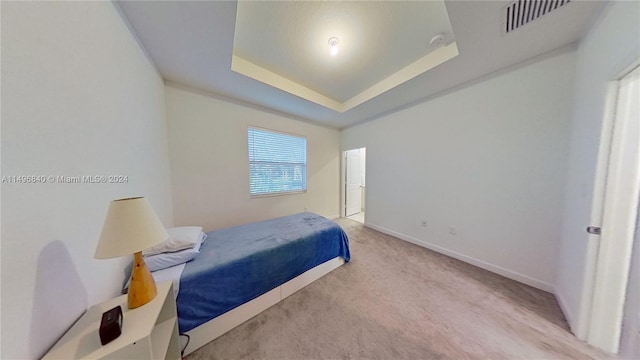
x: 452, y: 230
x: 423, y: 223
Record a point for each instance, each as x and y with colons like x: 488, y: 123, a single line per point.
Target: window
x: 277, y: 162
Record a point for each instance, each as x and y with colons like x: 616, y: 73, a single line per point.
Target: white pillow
x: 165, y: 260
x: 180, y: 238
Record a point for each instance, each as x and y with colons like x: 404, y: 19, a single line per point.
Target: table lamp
x: 130, y: 227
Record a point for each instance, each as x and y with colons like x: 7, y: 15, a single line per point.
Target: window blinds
x: 277, y: 162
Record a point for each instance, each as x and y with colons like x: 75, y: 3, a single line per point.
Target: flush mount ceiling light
x: 333, y: 42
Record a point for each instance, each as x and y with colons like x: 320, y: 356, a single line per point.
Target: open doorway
x: 354, y: 184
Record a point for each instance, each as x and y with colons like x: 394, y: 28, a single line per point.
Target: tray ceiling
x: 207, y: 45
x: 380, y: 46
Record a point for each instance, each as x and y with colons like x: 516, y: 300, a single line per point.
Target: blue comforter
x: 238, y: 264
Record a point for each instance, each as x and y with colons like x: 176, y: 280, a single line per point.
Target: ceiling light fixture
x: 333, y: 42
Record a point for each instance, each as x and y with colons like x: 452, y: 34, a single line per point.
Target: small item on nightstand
x: 111, y: 325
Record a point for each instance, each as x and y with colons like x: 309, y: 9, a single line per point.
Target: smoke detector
x: 438, y: 40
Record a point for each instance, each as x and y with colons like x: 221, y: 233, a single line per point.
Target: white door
x: 619, y: 219
x: 353, y: 192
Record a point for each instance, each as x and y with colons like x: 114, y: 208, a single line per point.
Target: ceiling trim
x: 268, y: 77
x: 245, y: 103
x: 565, y: 49
x: 405, y: 74
x: 425, y: 63
x: 193, y: 42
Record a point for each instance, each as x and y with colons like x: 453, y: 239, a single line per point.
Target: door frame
x: 607, y: 262
x: 353, y: 176
x: 343, y: 182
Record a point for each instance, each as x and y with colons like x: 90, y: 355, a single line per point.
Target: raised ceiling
x: 381, y: 45
x: 192, y: 44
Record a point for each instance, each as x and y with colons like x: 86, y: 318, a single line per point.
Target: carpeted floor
x: 396, y: 300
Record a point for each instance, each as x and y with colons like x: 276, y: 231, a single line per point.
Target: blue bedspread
x: 238, y: 264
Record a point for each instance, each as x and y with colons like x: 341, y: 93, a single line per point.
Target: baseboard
x: 566, y: 310
x: 513, y: 275
x: 333, y: 217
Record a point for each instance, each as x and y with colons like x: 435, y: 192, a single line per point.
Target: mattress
x: 238, y: 264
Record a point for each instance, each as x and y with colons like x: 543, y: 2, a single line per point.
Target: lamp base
x: 142, y: 288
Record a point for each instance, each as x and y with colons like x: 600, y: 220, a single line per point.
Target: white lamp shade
x: 131, y: 226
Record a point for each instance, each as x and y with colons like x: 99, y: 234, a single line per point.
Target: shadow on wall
x: 59, y: 298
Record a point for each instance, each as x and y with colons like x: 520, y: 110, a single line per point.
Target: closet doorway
x: 354, y: 184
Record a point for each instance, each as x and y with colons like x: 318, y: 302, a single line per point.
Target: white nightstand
x: 148, y: 332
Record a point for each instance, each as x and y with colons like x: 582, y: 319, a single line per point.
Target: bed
x: 243, y: 270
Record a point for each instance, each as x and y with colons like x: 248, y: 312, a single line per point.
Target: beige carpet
x: 396, y: 300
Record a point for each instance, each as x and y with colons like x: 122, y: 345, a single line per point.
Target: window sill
x: 277, y: 194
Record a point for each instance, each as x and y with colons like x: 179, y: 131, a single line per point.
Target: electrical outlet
x: 423, y: 223
x: 452, y: 230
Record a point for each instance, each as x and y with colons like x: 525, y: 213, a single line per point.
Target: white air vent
x: 521, y: 12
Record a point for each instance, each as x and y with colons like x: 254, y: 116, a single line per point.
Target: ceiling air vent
x: 521, y: 12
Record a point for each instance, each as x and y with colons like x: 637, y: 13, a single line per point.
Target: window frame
x: 306, y: 163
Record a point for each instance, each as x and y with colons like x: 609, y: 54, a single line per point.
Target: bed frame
x: 218, y: 326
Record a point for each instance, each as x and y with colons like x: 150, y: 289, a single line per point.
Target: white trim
x: 343, y: 183
x: 427, y: 62
x: 581, y: 325
x: 468, y: 259
x: 582, y: 320
x: 550, y: 54
x: 218, y: 326
x: 246, y: 104
x: 566, y: 310
x: 257, y: 72
x: 618, y: 220
x: 281, y: 193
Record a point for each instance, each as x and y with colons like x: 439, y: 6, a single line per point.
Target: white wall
x: 488, y: 159
x: 210, y: 170
x: 79, y: 97
x: 610, y: 46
